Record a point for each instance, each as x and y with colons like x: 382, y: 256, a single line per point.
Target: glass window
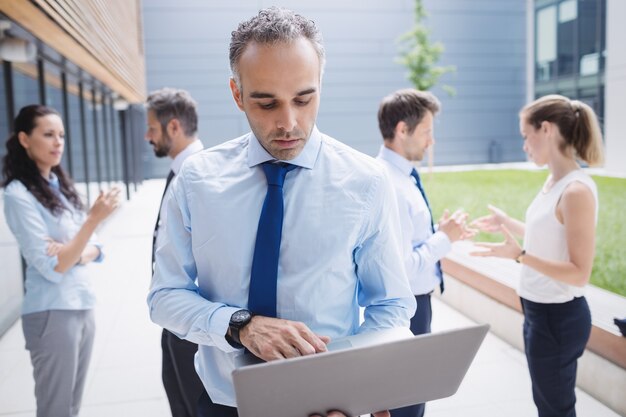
x: 94, y: 138
x: 54, y: 95
x: 54, y: 99
x: 25, y: 86
x: 566, y: 32
x: 594, y: 97
x: 545, y: 43
x: 570, y: 49
x: 76, y: 136
x: 602, y: 31
x: 50, y: 54
x: 92, y: 169
x: 72, y: 68
x: 108, y: 136
x: 568, y: 11
x: 570, y: 37
x: 569, y: 93
x: 589, y: 46
x: 117, y: 144
x: 99, y: 135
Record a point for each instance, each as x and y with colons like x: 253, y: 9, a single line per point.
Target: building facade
x: 577, y: 51
x: 615, y: 91
x: 85, y: 59
x: 484, y: 39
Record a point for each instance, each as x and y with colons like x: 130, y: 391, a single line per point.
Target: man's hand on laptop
x: 340, y: 414
x: 269, y: 338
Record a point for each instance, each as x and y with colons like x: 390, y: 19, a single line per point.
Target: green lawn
x: 513, y: 191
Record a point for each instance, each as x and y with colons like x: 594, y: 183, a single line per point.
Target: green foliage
x: 609, y: 268
x: 420, y: 56
x: 514, y: 190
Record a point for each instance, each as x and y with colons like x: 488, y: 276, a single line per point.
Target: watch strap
x: 232, y: 342
x: 235, y: 325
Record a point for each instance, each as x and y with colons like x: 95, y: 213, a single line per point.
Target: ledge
x: 484, y: 290
x: 497, y: 279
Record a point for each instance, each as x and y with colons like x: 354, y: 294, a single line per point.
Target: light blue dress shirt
x: 338, y: 251
x: 192, y: 148
x: 31, y: 223
x: 421, y: 248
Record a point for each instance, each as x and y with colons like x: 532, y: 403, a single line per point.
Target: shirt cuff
x: 100, y: 256
x: 440, y: 242
x: 53, y: 275
x: 220, y: 320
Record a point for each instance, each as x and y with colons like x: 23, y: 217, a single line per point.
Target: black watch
x: 238, y: 321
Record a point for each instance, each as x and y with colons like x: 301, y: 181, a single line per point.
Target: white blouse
x: 545, y: 238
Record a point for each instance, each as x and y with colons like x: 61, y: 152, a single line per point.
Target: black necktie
x: 158, y: 221
x: 264, y: 273
x: 418, y: 183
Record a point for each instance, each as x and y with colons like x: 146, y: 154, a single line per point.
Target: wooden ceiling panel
x: 102, y: 37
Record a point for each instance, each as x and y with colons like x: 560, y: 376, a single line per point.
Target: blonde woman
x: 558, y: 246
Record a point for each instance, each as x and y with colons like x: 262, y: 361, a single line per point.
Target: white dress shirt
x: 193, y: 147
x: 421, y: 248
x: 177, y: 162
x: 338, y: 250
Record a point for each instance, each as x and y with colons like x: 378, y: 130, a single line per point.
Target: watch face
x: 240, y: 316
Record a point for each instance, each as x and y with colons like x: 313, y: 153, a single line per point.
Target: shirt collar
x: 306, y: 159
x: 192, y: 148
x: 54, y: 181
x: 395, y: 159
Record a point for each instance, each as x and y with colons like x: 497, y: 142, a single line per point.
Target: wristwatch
x: 520, y: 256
x: 238, y: 321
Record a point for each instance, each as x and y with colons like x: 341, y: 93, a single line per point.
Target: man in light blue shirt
x: 338, y: 249
x: 405, y: 119
x: 172, y: 125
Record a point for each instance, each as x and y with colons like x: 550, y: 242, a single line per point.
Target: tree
x: 420, y: 56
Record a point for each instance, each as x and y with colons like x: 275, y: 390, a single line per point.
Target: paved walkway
x: 124, y: 378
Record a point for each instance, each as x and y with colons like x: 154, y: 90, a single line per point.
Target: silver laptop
x: 366, y: 374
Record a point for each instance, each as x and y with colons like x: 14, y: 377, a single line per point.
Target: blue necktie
x: 418, y: 182
x: 262, y: 294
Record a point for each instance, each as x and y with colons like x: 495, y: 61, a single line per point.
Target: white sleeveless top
x: 545, y: 237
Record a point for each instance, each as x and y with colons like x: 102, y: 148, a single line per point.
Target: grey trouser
x: 60, y: 344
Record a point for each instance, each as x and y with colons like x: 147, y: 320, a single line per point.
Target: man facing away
x: 405, y: 119
x: 172, y: 124
x: 276, y: 238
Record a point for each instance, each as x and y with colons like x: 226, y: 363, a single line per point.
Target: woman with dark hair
x: 55, y: 236
x: 559, y: 246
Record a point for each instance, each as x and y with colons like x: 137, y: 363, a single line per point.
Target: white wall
x: 615, y: 90
x: 11, y: 287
